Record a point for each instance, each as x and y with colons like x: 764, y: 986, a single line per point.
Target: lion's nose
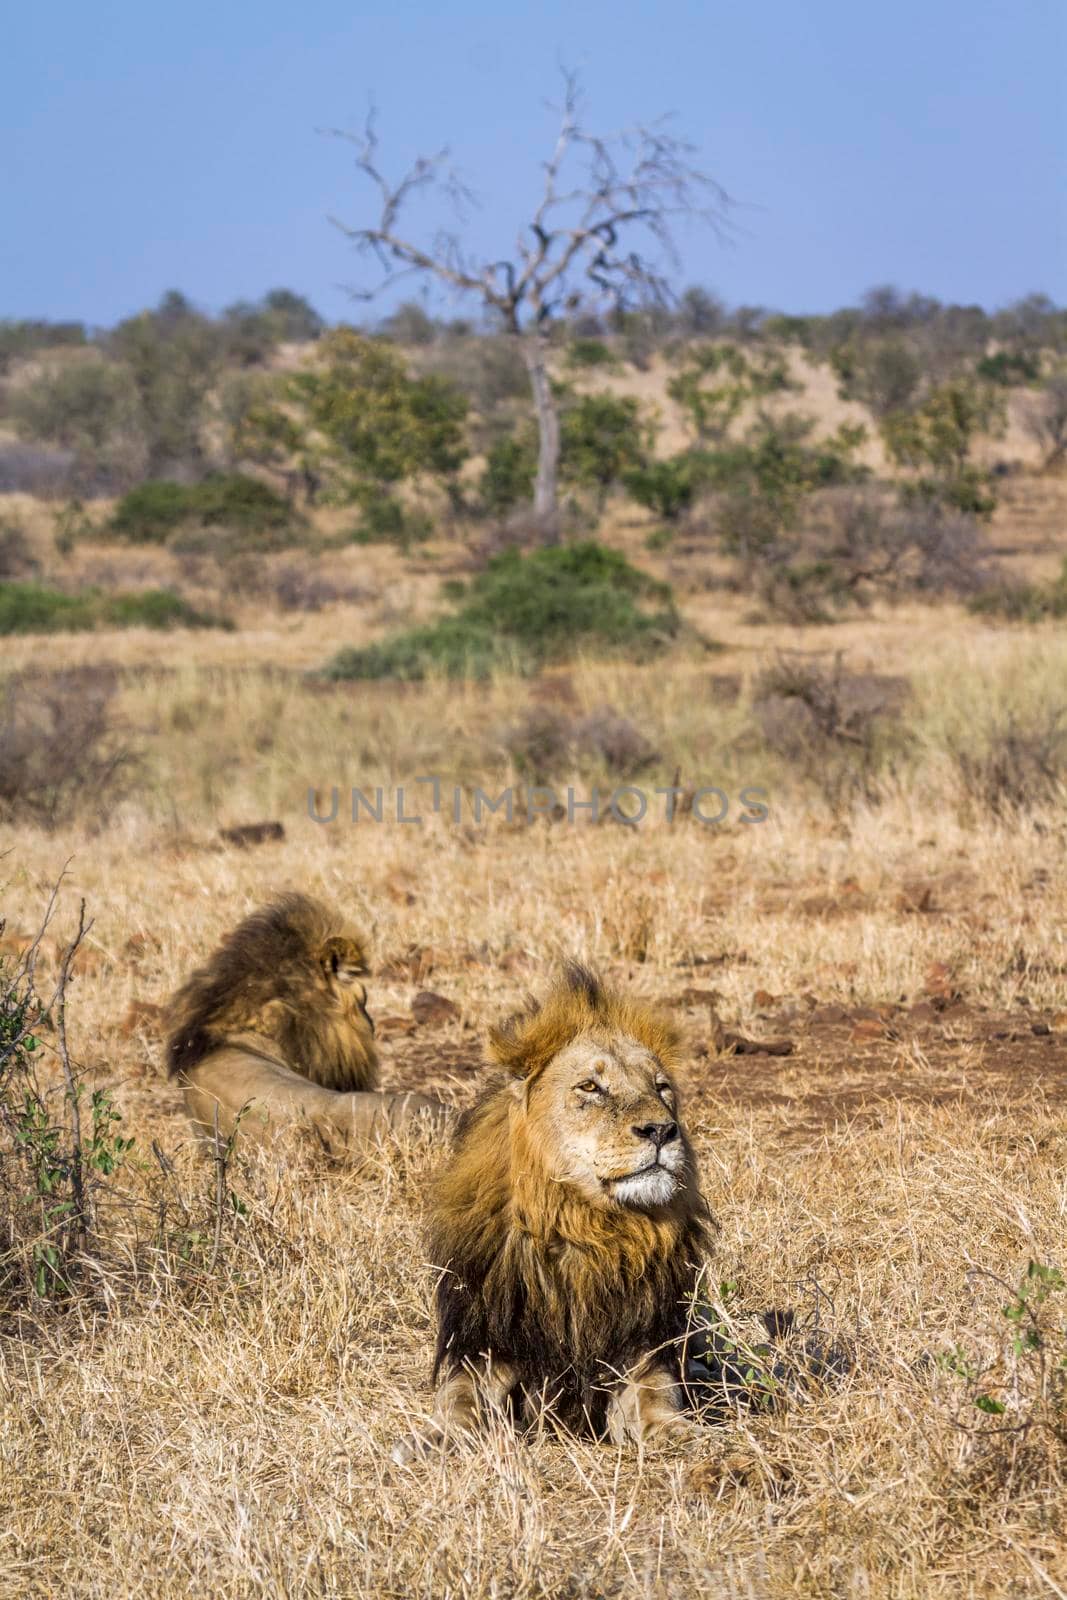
x: 658, y: 1133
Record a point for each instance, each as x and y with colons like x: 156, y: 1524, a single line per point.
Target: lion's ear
x: 509, y: 1044
x: 343, y: 957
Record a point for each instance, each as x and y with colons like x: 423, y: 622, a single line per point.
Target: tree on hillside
x: 355, y: 422
x: 599, y: 239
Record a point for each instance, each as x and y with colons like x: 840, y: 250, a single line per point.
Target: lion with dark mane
x: 568, y: 1227
x: 273, y: 1033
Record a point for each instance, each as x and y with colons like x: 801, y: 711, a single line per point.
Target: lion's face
x: 605, y: 1113
x: 343, y: 967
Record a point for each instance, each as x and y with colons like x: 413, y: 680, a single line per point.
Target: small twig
x: 81, y: 1220
x: 221, y: 1157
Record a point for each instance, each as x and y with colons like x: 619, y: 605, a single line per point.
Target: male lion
x: 276, y: 1021
x: 568, y: 1227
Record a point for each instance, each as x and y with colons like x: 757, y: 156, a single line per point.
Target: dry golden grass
x: 227, y: 1434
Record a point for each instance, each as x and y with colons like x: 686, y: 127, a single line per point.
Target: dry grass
x: 228, y: 1434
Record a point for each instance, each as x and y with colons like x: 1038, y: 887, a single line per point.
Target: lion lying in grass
x: 275, y: 1026
x: 569, y: 1228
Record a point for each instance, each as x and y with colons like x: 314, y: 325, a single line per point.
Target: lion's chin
x: 655, y: 1186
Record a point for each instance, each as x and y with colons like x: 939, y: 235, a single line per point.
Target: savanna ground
x: 212, y: 1414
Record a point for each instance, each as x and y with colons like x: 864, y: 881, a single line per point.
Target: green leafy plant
x: 1021, y: 1382
x: 158, y: 512
x: 525, y: 610
x: 716, y: 382
x: 665, y: 487
x: 35, y: 608
x: 1010, y: 368
x: 601, y: 438
x: 508, y: 476
x: 882, y: 374
x: 935, y: 442
x: 48, y: 1169
x: 376, y: 425
x: 384, y: 520
x: 590, y: 353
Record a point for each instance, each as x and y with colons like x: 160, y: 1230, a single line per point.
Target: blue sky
x: 145, y: 146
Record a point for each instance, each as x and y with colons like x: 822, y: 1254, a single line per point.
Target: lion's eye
x: 590, y: 1086
x: 664, y: 1089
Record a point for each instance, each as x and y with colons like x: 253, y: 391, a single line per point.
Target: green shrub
x: 34, y: 608
x: 150, y: 513
x: 590, y: 353
x: 23, y: 338
x: 523, y: 611
x: 155, y: 512
x: 90, y: 408
x: 882, y: 374
x: 1009, y: 368
x: 665, y: 487
x: 936, y: 439
x: 384, y: 520
x: 508, y: 478
x: 601, y: 437
x: 155, y: 608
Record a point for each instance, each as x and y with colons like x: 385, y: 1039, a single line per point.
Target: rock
x: 246, y: 834
x: 430, y: 1009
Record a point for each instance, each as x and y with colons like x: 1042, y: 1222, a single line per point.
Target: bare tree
x: 600, y: 239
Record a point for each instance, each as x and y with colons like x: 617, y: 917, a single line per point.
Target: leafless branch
x: 221, y: 1156
x: 80, y: 1220
x: 601, y: 235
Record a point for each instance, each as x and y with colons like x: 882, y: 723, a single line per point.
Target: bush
x: 545, y: 742
x: 590, y: 353
x: 384, y: 520
x: 601, y: 438
x: 150, y: 513
x: 17, y: 559
x: 1023, y: 602
x: 50, y: 1175
x: 665, y: 487
x: 1010, y: 368
x: 882, y: 374
x: 89, y: 408
x: 155, y: 608
x: 41, y: 470
x: 853, y: 547
x: 156, y: 512
x: 171, y: 357
x: 378, y: 425
x: 24, y: 338
x: 833, y: 728
x: 1044, y: 416
x: 767, y: 482
x: 251, y: 331
x: 62, y: 752
x: 717, y: 380
x: 935, y: 440
x: 1015, y: 763
x: 34, y: 608
x: 524, y: 611
x: 508, y: 478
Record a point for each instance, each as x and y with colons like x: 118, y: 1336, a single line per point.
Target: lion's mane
x: 532, y: 1273
x: 274, y: 978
